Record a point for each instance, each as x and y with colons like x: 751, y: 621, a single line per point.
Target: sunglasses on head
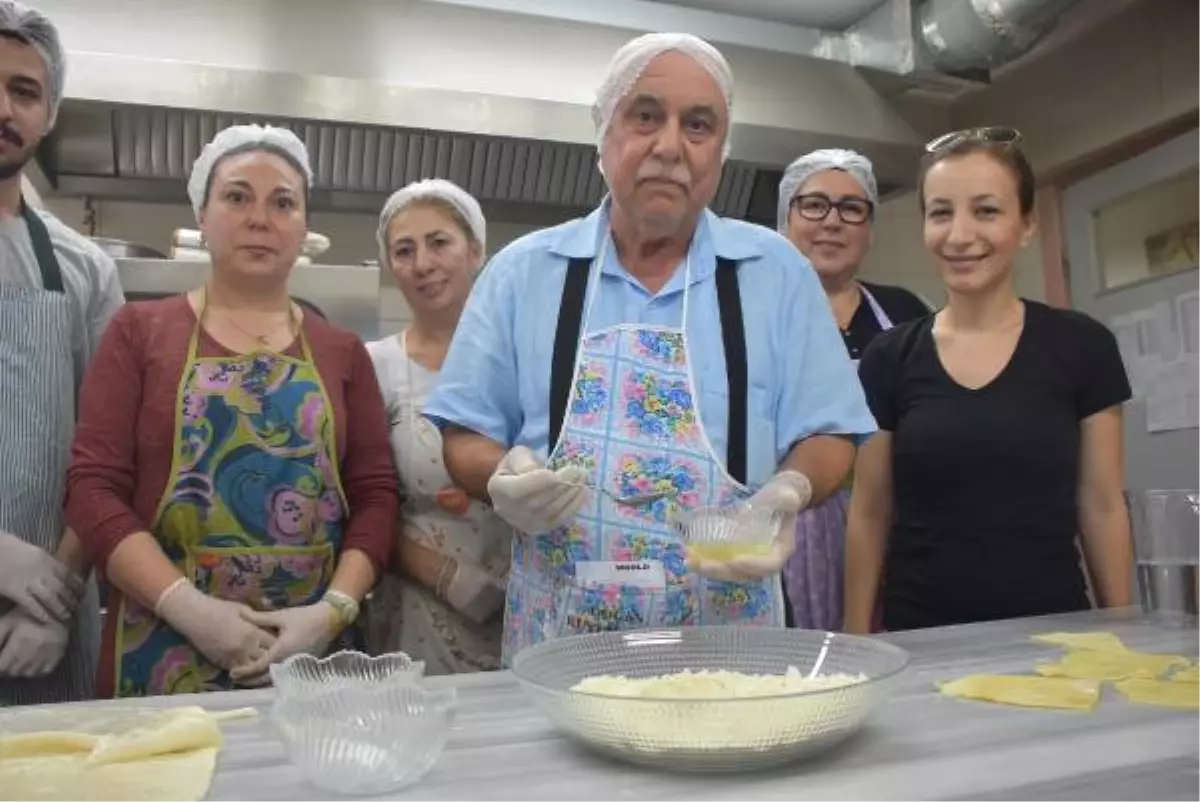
x: 991, y: 134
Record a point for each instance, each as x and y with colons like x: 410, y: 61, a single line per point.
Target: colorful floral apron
x: 253, y: 510
x: 632, y: 423
x: 406, y: 616
x: 813, y: 575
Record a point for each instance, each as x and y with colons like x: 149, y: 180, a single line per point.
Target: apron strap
x: 566, y: 341
x: 43, y: 251
x: 733, y: 334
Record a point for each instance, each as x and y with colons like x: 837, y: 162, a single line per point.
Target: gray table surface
x: 919, y: 745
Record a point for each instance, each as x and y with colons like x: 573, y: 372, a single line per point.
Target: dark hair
x: 1006, y: 153
x: 253, y: 147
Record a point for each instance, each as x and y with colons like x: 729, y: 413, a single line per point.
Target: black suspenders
x: 733, y: 335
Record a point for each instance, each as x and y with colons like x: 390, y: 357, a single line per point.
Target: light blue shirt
x: 496, y: 376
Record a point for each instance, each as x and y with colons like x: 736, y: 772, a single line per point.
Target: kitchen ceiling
x: 830, y: 15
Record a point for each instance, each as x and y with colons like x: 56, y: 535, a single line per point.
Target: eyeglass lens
x: 816, y: 207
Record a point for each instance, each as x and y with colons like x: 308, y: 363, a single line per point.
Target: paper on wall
x: 1159, y: 347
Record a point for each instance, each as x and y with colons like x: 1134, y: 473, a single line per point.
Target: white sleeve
x: 105, y: 301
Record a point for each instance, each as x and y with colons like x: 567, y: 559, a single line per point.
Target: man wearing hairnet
x: 57, y: 292
x: 827, y: 201
x: 616, y: 373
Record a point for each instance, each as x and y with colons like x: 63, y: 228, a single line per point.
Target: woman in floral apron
x: 444, y: 603
x: 827, y: 202
x: 231, y: 476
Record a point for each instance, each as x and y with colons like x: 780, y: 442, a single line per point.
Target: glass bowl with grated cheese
x: 722, y: 698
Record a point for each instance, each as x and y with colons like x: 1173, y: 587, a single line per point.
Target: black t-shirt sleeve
x: 879, y: 371
x: 1101, y: 380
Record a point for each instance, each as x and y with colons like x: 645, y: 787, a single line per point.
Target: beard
x: 14, y: 163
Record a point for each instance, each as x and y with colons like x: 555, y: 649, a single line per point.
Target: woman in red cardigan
x: 231, y: 475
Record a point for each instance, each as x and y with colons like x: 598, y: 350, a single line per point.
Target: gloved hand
x: 214, y: 626
x: 32, y: 579
x: 28, y: 647
x: 474, y: 593
x: 788, y: 492
x: 533, y: 498
x: 299, y: 630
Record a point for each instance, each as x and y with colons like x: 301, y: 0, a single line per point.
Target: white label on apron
x: 648, y: 574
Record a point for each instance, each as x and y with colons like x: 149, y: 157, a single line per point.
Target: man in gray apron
x: 57, y: 292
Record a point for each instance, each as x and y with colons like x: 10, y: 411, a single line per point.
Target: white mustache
x: 657, y: 171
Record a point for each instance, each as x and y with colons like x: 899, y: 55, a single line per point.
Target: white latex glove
x: 214, y: 626
x: 28, y: 647
x: 787, y: 492
x: 475, y: 594
x: 533, y: 498
x: 299, y: 630
x: 32, y: 579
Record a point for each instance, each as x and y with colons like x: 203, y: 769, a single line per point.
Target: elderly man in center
x: 652, y: 350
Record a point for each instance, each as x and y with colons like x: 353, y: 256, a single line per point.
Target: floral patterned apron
x: 404, y: 615
x: 632, y: 423
x: 813, y: 575
x: 252, y: 513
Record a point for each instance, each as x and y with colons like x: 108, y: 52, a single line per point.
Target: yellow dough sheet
x: 1163, y: 693
x: 1090, y: 641
x: 100, y: 754
x: 1189, y: 674
x: 1062, y: 693
x: 1112, y: 665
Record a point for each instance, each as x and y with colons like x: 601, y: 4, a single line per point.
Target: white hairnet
x: 631, y: 61
x: 35, y: 29
x: 808, y: 165
x: 240, y: 139
x: 442, y: 190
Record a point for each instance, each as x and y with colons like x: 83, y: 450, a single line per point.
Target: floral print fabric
x: 253, y: 513
x: 633, y: 425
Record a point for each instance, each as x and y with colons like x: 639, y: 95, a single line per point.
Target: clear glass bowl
x: 710, y: 734
x: 303, y: 674
x: 359, y: 740
x: 722, y: 533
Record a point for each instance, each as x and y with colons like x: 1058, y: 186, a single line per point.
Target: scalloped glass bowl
x: 709, y: 734
x: 723, y: 533
x: 303, y: 674
x: 365, y: 739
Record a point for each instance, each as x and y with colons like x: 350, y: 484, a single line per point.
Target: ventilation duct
x: 966, y: 37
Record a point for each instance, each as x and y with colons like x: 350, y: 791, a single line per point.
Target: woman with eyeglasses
x: 444, y: 602
x: 827, y: 202
x: 1000, y: 425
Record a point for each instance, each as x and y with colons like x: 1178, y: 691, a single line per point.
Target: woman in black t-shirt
x: 1000, y: 425
x: 826, y: 206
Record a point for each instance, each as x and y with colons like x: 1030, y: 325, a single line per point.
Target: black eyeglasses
x: 816, y: 206
x: 994, y: 134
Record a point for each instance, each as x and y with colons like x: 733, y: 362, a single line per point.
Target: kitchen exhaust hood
x: 388, y: 91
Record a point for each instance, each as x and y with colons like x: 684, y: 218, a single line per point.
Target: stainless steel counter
x: 919, y: 746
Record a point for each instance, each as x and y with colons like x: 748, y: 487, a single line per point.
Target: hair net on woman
x: 631, y: 61
x: 808, y: 165
x: 34, y: 29
x: 240, y: 139
x: 432, y: 188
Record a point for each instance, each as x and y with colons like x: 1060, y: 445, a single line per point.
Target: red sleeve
x: 102, y: 475
x: 368, y: 473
